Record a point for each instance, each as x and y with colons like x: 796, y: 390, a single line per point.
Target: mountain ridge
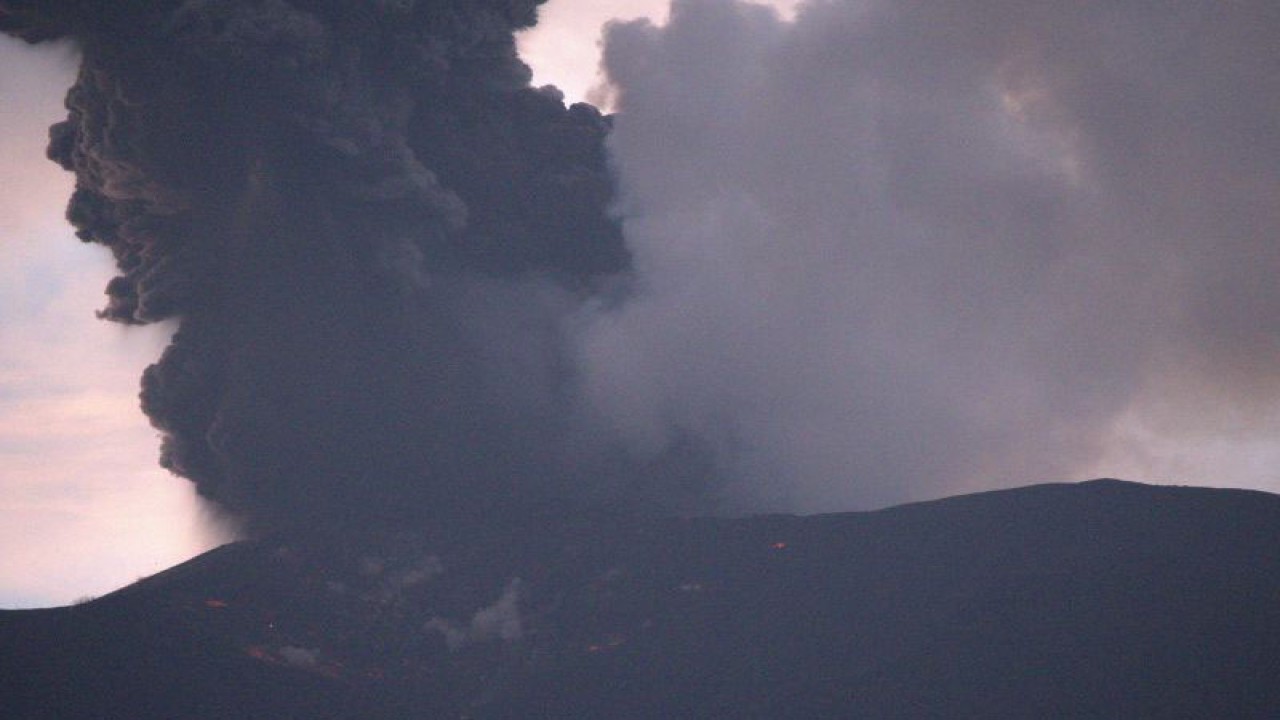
x: 1097, y: 599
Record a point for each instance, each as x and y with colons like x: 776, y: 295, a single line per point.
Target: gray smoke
x: 900, y: 248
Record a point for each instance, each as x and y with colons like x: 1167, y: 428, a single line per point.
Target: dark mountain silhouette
x: 1100, y: 600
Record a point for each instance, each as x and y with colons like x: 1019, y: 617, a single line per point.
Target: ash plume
x: 368, y: 227
x: 884, y: 251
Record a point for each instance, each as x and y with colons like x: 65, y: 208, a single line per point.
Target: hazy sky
x: 83, y: 506
x: 884, y: 252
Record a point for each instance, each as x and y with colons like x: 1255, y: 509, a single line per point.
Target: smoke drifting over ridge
x: 898, y: 248
x: 887, y: 251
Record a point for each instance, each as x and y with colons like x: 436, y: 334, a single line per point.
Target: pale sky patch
x: 84, y: 508
x: 564, y: 48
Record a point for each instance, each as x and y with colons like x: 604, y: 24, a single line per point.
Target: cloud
x: 892, y: 250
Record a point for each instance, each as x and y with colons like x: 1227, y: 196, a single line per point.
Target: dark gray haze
x: 900, y: 248
x: 890, y: 250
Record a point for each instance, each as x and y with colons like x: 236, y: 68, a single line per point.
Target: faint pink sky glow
x: 84, y: 508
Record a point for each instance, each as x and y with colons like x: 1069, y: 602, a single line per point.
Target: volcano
x: 1100, y: 599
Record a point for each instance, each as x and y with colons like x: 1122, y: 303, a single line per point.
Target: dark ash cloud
x: 335, y: 200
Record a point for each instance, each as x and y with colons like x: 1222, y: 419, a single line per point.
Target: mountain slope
x: 1103, y: 599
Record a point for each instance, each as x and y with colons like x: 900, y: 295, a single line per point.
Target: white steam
x: 894, y: 249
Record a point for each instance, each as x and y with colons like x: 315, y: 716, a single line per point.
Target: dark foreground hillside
x: 1099, y: 600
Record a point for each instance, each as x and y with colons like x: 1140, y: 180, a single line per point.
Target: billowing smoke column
x: 894, y: 249
x: 888, y: 250
x: 368, y: 227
